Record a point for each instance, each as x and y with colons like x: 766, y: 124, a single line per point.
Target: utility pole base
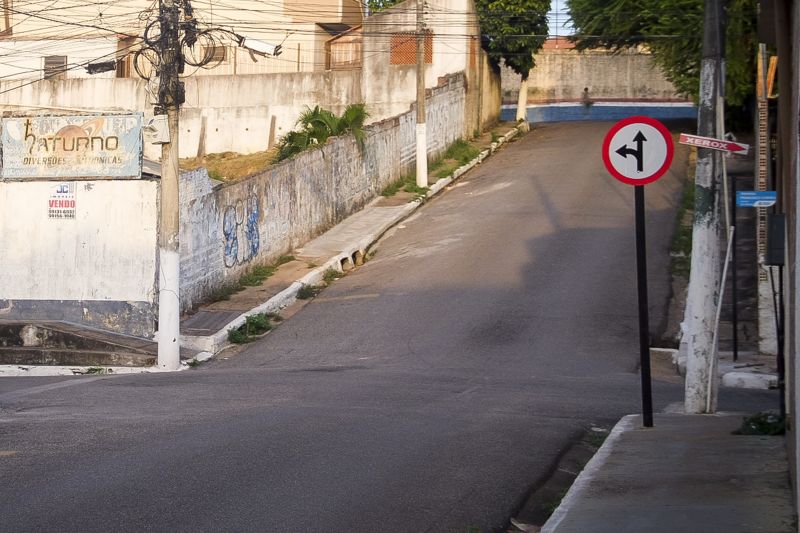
x: 169, y: 350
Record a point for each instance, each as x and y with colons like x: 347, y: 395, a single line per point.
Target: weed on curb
x: 254, y: 325
x: 307, y: 292
x: 331, y: 275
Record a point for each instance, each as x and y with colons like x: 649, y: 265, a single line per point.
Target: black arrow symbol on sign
x: 638, y: 153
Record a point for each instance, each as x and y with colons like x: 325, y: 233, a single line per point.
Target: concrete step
x: 66, y: 344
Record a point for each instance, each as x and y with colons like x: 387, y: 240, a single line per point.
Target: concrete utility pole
x: 422, y: 135
x: 522, y: 99
x: 168, y: 242
x: 705, y: 277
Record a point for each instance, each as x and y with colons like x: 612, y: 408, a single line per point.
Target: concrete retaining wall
x: 562, y: 74
x: 228, y: 229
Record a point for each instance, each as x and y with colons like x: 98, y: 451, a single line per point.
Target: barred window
x: 404, y: 48
x: 55, y: 67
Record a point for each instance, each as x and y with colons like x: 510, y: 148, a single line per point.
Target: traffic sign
x: 714, y: 144
x: 638, y: 150
x: 756, y: 198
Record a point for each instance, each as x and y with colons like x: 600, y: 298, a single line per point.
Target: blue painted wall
x: 600, y: 112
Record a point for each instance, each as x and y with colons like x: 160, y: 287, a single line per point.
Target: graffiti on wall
x: 240, y: 231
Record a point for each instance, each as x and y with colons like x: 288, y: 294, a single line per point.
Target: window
x: 218, y: 54
x: 55, y: 67
x: 404, y: 48
x: 124, y: 57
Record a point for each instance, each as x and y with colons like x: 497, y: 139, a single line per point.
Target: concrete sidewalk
x: 688, y: 473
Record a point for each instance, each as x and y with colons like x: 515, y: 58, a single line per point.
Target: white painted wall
x: 389, y: 89
x: 108, y: 252
x: 25, y: 59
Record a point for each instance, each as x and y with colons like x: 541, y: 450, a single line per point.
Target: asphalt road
x: 427, y: 391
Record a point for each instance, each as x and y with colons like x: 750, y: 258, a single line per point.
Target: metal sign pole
x: 637, y: 151
x: 644, y: 318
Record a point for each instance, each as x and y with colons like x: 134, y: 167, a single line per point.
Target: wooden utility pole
x: 422, y: 137
x: 705, y: 278
x: 168, y: 243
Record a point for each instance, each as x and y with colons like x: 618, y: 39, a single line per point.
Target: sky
x: 558, y: 16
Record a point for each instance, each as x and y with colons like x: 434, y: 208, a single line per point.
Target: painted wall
x: 390, y: 88
x: 24, y: 60
x: 97, y: 268
x: 228, y: 229
x: 230, y: 113
x: 562, y: 74
x: 243, y: 113
x: 604, y: 111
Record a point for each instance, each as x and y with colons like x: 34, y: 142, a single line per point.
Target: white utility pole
x: 705, y: 278
x: 168, y: 243
x: 522, y: 99
x: 422, y: 134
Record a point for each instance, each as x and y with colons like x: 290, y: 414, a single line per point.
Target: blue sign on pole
x: 756, y: 198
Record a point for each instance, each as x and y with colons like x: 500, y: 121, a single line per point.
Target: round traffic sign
x: 638, y: 150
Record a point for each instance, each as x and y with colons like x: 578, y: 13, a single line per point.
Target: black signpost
x: 638, y: 151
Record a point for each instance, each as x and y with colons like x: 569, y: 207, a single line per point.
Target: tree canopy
x: 513, y: 30
x: 673, y: 31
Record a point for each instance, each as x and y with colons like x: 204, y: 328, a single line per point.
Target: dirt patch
x: 231, y: 166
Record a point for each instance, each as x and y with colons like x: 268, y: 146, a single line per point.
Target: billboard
x: 107, y: 146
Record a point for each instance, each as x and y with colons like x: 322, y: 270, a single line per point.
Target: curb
x: 213, y: 344
x: 749, y: 380
x: 583, y: 480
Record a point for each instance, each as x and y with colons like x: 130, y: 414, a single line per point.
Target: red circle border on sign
x: 634, y: 120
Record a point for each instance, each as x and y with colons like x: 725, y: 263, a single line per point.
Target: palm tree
x: 317, y: 125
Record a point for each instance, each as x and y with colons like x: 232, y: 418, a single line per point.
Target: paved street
x: 428, y: 390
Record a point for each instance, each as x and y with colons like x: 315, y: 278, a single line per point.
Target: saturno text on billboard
x: 91, y: 146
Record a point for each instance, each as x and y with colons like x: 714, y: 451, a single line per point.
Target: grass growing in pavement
x: 307, y: 292
x: 225, y: 292
x: 257, y: 275
x: 407, y: 183
x: 253, y: 326
x: 253, y: 278
x: 459, y: 153
x: 331, y: 275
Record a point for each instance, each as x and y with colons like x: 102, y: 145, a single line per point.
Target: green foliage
x: 762, y: 424
x: 254, y: 325
x: 307, y: 292
x: 331, y: 275
x: 237, y: 336
x: 257, y: 275
x: 317, y: 125
x: 225, y: 292
x: 461, y: 151
x: 513, y: 30
x: 379, y: 5
x: 681, y: 249
x: 673, y: 31
x: 352, y: 120
x: 407, y: 183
